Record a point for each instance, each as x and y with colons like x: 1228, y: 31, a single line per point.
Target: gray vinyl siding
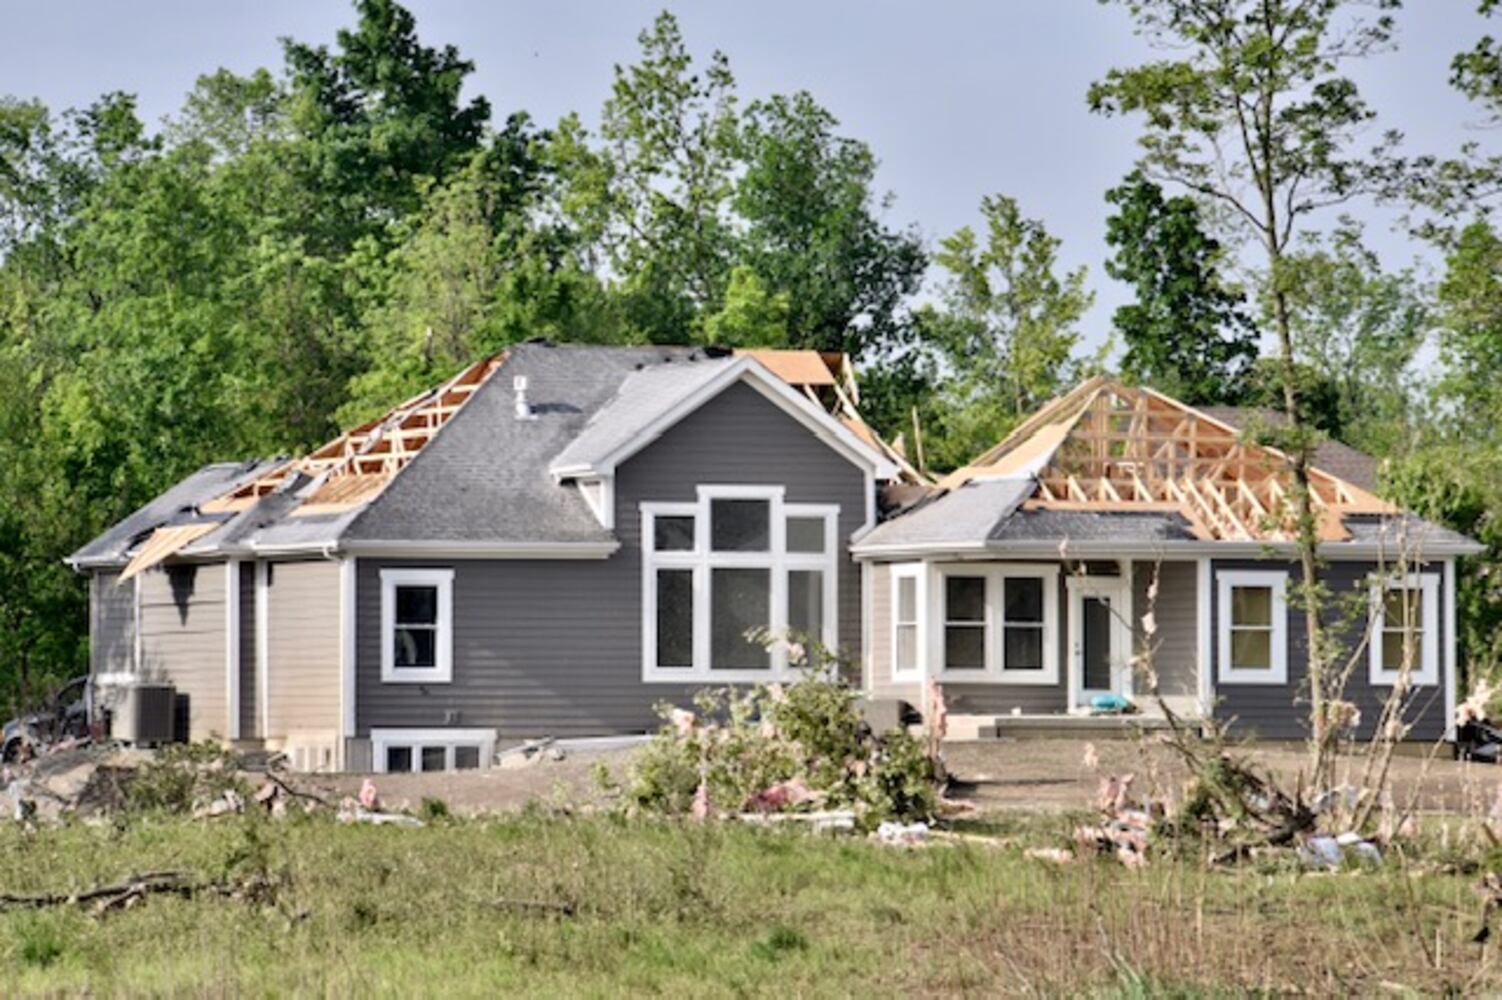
x: 1029, y: 699
x: 1176, y: 639
x: 302, y: 653
x: 1282, y: 711
x: 112, y: 624
x: 250, y: 704
x: 555, y: 647
x: 183, y: 641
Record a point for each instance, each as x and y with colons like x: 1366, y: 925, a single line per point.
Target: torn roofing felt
x: 453, y: 464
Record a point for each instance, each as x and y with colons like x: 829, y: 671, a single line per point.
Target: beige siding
x: 183, y: 641
x: 881, y: 640
x: 302, y: 661
x: 1176, y: 641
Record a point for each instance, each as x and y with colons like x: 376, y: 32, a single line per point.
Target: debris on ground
x: 902, y: 834
x: 827, y: 821
x: 531, y: 752
x: 1332, y: 852
x: 1126, y: 823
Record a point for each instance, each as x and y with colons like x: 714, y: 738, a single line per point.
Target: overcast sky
x: 958, y: 100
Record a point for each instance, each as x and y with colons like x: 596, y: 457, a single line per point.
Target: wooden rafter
x: 1109, y: 447
x: 355, y: 466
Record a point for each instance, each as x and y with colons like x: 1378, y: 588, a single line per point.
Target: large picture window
x: 1405, y: 630
x: 736, y: 560
x: 417, y: 626
x: 1253, y: 630
x: 999, y: 624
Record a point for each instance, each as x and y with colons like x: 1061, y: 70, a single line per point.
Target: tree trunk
x: 1307, y: 525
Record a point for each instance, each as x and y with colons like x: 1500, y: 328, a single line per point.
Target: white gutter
x: 1108, y: 549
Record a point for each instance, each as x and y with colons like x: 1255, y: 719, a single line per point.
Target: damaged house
x: 561, y: 537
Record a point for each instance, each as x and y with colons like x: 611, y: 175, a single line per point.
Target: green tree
x: 1251, y: 111
x: 813, y: 232
x: 1358, y: 330
x: 753, y: 316
x: 1186, y: 332
x: 654, y: 196
x: 382, y: 112
x: 1006, y: 331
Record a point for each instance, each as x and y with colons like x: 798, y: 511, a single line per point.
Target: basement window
x: 1405, y: 630
x: 736, y: 560
x: 415, y: 751
x: 1253, y: 630
x: 417, y: 631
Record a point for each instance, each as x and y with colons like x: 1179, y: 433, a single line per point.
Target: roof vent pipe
x: 523, y: 408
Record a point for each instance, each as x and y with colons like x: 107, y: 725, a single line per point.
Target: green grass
x: 717, y: 910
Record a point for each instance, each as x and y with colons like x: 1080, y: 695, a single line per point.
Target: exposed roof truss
x: 1110, y: 447
x: 356, y: 466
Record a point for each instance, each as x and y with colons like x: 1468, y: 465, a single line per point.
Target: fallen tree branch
x: 535, y: 906
x: 138, y: 885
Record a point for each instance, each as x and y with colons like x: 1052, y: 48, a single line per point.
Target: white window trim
x: 914, y: 572
x: 995, y: 671
x: 1425, y: 673
x: 701, y: 560
x: 443, y: 670
x: 1277, y: 580
x: 417, y: 739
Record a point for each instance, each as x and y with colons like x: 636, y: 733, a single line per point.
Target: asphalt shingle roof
x: 176, y: 504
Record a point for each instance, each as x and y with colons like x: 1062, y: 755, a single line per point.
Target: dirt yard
x: 1045, y: 775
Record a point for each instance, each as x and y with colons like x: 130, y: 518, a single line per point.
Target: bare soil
x: 1035, y: 775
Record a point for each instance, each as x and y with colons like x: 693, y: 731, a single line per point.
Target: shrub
x: 774, y: 748
x: 182, y: 776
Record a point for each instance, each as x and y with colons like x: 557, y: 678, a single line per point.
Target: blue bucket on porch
x: 1110, y: 704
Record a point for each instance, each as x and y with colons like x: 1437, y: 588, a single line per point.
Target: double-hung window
x: 999, y: 624
x: 417, y: 626
x: 737, y: 560
x: 1253, y: 646
x: 1405, y: 630
x: 907, y: 593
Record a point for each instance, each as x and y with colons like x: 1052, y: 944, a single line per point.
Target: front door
x: 1099, y: 639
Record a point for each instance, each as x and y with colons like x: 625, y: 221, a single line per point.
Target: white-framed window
x: 417, y: 626
x: 907, y: 604
x: 998, y: 623
x: 396, y: 751
x: 1405, y: 630
x: 1253, y: 606
x: 736, y: 559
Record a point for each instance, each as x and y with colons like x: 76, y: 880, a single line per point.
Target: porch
x: 1012, y: 641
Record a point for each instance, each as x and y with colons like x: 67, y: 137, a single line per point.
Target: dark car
x: 66, y: 713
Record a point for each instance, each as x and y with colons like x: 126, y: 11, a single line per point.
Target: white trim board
x: 232, y: 646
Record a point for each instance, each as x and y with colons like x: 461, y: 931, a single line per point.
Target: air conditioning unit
x: 143, y: 714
